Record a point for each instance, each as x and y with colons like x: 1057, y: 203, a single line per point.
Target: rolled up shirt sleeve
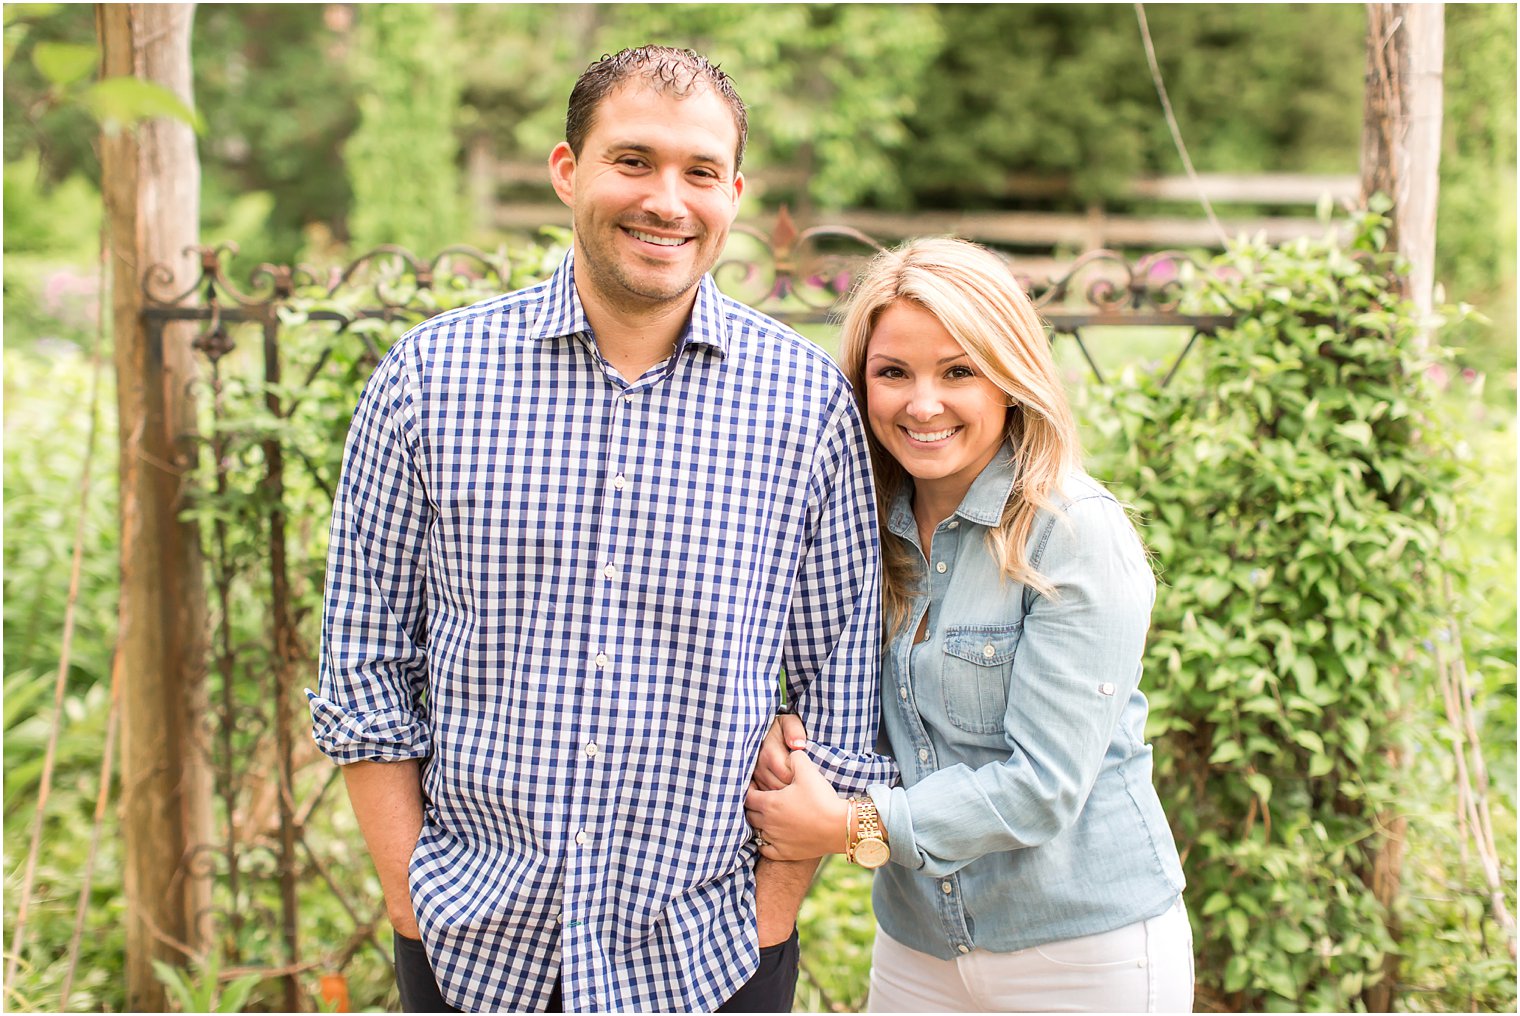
x: 1077, y: 665
x: 370, y: 702
x: 833, y: 638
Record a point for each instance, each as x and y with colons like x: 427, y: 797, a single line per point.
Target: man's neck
x: 631, y: 338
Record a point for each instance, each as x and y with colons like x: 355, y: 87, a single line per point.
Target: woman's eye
x: 891, y: 373
x: 960, y: 373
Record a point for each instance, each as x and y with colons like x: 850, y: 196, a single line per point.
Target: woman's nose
x: 925, y: 404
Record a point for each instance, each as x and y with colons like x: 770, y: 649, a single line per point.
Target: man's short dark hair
x: 671, y: 71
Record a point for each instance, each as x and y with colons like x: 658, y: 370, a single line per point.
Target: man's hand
x: 387, y: 800
x: 803, y: 820
x: 773, y: 769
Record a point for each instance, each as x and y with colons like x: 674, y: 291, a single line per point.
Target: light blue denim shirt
x: 1026, y: 812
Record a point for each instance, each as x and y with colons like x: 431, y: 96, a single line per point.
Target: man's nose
x: 663, y: 199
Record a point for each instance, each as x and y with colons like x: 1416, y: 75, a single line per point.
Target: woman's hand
x: 802, y: 820
x: 773, y: 769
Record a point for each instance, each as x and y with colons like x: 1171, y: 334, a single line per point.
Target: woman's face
x: 928, y: 405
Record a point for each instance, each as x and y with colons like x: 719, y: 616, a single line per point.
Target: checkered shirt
x: 572, y: 596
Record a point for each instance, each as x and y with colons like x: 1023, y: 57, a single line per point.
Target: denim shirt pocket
x: 978, y: 664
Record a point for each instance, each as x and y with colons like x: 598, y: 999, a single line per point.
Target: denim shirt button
x: 952, y: 524
x: 947, y: 887
x: 963, y: 948
x: 923, y: 754
x: 902, y: 693
x: 940, y: 567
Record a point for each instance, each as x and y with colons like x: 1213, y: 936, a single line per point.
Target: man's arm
x: 387, y: 800
x: 832, y: 652
x: 368, y: 714
x: 779, y: 889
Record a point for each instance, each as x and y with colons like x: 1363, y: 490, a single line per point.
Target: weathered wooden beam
x: 1030, y: 230
x: 1401, y: 151
x: 151, y: 188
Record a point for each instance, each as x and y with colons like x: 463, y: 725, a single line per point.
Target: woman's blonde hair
x: 974, y: 295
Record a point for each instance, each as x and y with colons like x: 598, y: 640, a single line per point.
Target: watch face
x: 871, y: 853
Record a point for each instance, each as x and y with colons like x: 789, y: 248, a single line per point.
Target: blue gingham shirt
x: 572, y: 595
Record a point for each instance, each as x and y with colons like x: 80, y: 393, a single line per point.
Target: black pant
x: 769, y: 990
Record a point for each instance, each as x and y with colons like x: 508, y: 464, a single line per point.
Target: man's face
x: 654, y: 192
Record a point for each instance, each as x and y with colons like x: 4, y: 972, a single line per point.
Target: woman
x: 1030, y: 865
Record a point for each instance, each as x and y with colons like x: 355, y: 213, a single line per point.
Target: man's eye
x: 629, y: 160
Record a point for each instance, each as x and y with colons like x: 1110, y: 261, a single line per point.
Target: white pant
x: 1145, y: 967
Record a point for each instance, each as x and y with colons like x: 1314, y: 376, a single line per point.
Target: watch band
x: 867, y: 845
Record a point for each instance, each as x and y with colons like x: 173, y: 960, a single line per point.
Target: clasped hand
x: 794, y: 811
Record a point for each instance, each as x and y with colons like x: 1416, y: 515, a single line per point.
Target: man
x: 580, y: 530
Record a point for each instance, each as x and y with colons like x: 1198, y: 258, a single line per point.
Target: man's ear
x: 562, y: 172
x: 738, y: 190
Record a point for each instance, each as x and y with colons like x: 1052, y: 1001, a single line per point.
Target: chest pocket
x: 978, y: 666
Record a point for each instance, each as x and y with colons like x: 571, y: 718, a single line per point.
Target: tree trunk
x: 1401, y: 153
x: 1401, y: 132
x: 151, y: 187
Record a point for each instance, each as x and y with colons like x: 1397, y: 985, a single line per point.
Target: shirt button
x: 963, y: 948
x: 947, y: 887
x: 1106, y: 688
x: 923, y: 754
x: 940, y: 567
x: 619, y: 482
x: 988, y: 651
x: 559, y: 917
x: 610, y: 570
x: 601, y: 660
x: 902, y: 693
x: 581, y: 838
x: 952, y: 523
x: 592, y: 749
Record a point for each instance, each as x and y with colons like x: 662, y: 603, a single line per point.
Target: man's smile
x: 655, y: 238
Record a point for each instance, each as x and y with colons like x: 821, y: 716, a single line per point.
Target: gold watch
x: 867, y: 846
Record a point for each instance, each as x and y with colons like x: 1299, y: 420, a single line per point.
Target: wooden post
x: 1401, y: 132
x: 151, y: 187
x: 1401, y: 157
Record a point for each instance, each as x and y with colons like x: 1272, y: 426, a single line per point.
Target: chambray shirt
x: 572, y: 594
x: 1026, y: 812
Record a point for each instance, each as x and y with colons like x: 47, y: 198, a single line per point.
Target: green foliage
x: 276, y: 82
x: 201, y: 990
x: 1475, y: 245
x: 1294, y: 486
x: 828, y: 86
x: 1067, y: 92
x: 837, y: 931
x: 401, y: 158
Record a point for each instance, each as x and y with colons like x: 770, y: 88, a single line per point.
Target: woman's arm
x: 1076, y: 668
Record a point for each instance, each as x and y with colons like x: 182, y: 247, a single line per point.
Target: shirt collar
x: 562, y: 314
x: 983, y: 503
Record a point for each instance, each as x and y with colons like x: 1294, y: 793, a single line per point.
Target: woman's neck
x: 933, y: 504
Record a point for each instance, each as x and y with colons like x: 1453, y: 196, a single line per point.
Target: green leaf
x: 235, y: 995
x: 126, y: 100
x: 1226, y: 751
x: 1309, y: 740
x: 64, y: 63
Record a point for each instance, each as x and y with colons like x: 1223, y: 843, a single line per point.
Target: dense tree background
x: 330, y: 128
x: 912, y: 106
